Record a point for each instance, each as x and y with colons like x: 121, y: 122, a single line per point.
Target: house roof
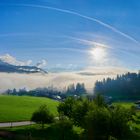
x: 137, y: 102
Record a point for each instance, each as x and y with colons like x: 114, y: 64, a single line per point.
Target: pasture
x: 20, y: 108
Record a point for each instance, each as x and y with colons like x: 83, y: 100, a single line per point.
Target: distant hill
x: 9, y: 68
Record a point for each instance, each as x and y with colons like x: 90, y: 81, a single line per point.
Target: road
x: 21, y: 123
x: 12, y: 124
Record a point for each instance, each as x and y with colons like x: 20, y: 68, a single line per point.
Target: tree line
x: 125, y: 87
x: 75, y: 90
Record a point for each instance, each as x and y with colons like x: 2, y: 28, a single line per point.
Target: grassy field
x: 15, y: 108
x: 125, y: 104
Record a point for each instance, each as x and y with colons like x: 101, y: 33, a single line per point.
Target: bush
x: 64, y: 130
x: 42, y: 116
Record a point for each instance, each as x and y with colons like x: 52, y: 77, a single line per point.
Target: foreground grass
x: 50, y: 132
x: 20, y: 108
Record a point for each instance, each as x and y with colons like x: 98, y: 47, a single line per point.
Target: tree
x: 65, y: 128
x: 80, y: 89
x: 79, y: 111
x: 42, y: 116
x: 65, y: 108
x: 71, y: 90
x: 100, y: 101
x: 119, y: 121
x: 98, y: 120
x: 97, y: 123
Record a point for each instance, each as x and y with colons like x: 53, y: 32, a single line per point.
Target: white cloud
x: 41, y: 63
x: 13, y: 61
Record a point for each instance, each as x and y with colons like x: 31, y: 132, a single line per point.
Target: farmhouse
x: 137, y: 104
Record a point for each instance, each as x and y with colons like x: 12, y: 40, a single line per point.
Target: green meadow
x: 125, y: 104
x: 20, y: 108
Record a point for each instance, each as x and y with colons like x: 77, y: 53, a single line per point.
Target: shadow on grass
x: 50, y: 132
x: 55, y: 131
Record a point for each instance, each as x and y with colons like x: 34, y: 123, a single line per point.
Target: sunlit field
x: 14, y: 108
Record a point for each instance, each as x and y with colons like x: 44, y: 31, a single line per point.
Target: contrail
x: 63, y: 48
x: 82, y: 16
x: 89, y: 42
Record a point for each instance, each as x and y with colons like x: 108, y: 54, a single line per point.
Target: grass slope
x: 125, y: 104
x: 20, y: 108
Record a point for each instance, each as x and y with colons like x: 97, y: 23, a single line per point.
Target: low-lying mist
x: 58, y: 80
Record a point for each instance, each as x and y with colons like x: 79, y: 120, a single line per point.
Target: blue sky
x: 72, y: 39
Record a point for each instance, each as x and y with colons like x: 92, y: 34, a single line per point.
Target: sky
x: 71, y: 34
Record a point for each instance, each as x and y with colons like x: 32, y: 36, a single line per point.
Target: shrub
x: 42, y: 116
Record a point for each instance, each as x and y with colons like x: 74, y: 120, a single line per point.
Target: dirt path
x: 12, y: 124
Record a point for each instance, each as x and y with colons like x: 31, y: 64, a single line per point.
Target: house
x: 137, y: 104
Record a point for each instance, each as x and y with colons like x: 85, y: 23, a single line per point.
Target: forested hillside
x: 126, y: 86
